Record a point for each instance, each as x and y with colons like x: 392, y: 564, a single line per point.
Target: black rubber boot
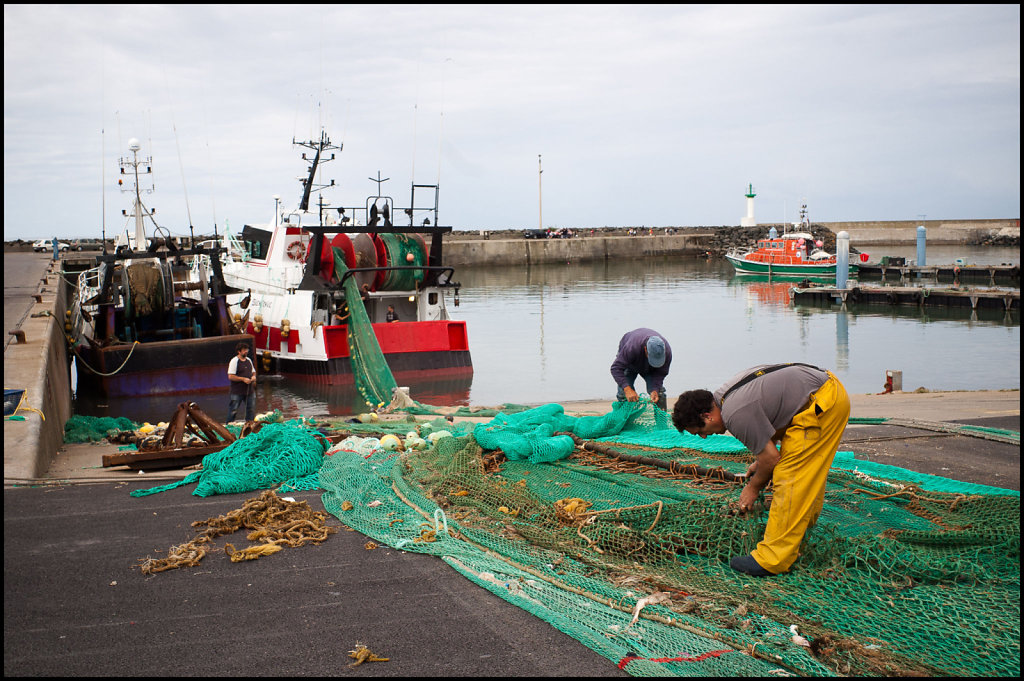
x: 747, y: 564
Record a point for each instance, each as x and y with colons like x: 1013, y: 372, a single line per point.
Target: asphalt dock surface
x: 75, y: 606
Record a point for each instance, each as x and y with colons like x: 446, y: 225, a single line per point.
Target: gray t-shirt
x: 755, y: 411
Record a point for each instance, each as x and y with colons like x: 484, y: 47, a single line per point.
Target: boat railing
x: 357, y: 218
x: 234, y: 251
x: 88, y: 284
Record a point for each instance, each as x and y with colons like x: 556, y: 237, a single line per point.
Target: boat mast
x: 139, y: 210
x: 320, y: 148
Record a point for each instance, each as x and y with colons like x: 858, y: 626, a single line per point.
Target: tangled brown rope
x: 273, y: 520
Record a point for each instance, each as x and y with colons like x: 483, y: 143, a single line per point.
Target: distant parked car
x: 535, y: 234
x: 44, y: 245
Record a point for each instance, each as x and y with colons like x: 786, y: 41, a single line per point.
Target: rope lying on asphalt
x: 275, y: 521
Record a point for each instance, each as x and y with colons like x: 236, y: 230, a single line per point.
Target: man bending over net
x: 804, y: 408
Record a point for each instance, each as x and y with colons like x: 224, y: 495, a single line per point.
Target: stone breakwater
x: 725, y: 239
x: 714, y: 240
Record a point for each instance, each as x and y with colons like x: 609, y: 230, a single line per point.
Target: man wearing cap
x: 802, y: 407
x: 642, y: 352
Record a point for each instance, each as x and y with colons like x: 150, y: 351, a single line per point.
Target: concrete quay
x: 35, y: 361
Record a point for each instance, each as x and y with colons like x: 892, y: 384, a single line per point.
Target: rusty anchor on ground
x: 172, y: 452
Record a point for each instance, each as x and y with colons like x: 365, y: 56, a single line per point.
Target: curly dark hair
x: 689, y: 407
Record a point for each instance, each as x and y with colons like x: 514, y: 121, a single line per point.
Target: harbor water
x: 549, y: 334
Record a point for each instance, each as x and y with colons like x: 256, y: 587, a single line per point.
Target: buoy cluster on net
x: 148, y: 428
x: 365, y: 446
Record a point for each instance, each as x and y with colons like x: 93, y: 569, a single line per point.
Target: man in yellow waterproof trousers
x: 803, y: 408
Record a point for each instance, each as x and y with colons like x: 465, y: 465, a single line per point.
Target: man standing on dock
x: 642, y: 352
x: 803, y: 407
x: 242, y: 375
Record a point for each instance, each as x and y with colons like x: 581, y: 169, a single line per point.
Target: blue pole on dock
x: 921, y: 234
x: 842, y: 259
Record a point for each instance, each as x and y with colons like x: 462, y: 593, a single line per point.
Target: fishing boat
x: 294, y: 272
x: 140, y: 322
x: 792, y: 254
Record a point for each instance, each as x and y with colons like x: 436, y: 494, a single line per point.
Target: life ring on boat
x: 296, y: 251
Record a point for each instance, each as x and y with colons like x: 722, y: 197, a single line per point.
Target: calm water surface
x: 549, y: 334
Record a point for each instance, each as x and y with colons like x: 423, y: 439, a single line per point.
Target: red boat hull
x: 413, y: 350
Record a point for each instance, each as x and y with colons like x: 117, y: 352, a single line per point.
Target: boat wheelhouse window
x: 257, y: 241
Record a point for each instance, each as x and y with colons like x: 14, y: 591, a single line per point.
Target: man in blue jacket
x: 646, y: 353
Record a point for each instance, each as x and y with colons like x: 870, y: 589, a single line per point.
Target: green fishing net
x: 632, y: 559
x: 278, y: 453
x: 373, y: 376
x: 95, y: 428
x: 898, y: 576
x: 398, y: 248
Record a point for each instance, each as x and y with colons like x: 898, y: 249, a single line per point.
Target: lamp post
x: 540, y: 202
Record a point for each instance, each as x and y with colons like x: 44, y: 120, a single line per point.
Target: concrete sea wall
x: 520, y: 251
x: 939, y: 232
x: 40, y: 367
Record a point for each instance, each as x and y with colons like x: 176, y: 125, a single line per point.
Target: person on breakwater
x: 642, y: 352
x: 803, y: 407
x: 242, y: 376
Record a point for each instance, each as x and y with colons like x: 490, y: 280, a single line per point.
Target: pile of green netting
x: 95, y: 428
x: 287, y: 454
x: 903, y: 574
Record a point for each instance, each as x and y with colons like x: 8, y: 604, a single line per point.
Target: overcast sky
x: 644, y: 115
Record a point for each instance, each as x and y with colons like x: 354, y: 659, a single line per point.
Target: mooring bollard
x: 921, y: 234
x: 893, y: 381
